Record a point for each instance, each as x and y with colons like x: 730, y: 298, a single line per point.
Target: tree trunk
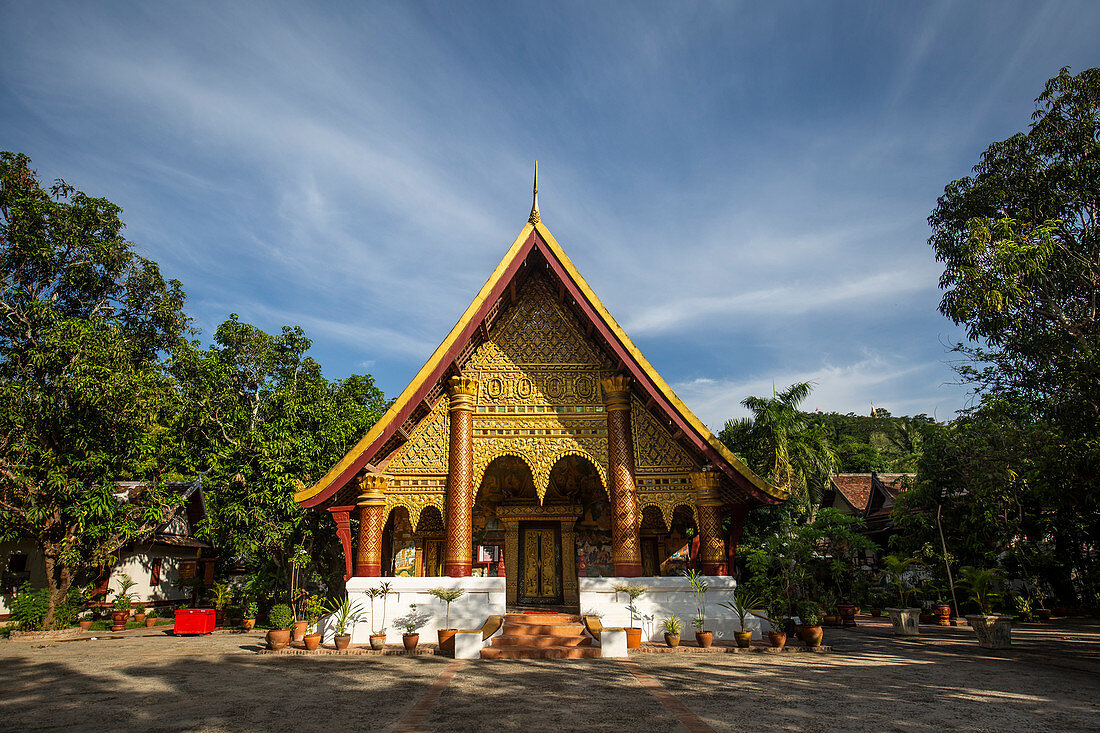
x: 58, y: 581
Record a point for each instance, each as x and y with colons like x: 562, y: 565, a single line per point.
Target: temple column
x: 460, y: 476
x: 737, y: 526
x: 708, y: 506
x: 625, y: 550
x: 341, y: 515
x: 372, y: 505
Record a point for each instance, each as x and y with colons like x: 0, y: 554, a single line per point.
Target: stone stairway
x: 541, y: 636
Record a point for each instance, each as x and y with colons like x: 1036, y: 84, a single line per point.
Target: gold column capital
x: 706, y: 485
x: 616, y: 392
x: 372, y: 490
x: 463, y: 393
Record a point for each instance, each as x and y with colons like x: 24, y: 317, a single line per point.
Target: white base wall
x: 483, y: 598
x: 667, y: 596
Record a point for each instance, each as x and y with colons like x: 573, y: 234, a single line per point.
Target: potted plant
x: 85, y: 622
x: 447, y: 635
x: 904, y: 618
x: 672, y: 631
x: 994, y: 632
x: 314, y: 610
x: 120, y: 613
x: 876, y: 599
x: 378, y: 636
x: 847, y: 613
x: 829, y: 614
x: 941, y: 609
x: 139, y: 612
x: 775, y: 615
x: 741, y: 600
x: 251, y: 608
x: 810, y: 615
x: 344, y: 613
x: 282, y: 620
x: 151, y: 618
x: 634, y: 633
x: 703, y: 637
x: 412, y: 621
x: 223, y: 595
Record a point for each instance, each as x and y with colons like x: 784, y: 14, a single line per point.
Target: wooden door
x: 541, y: 579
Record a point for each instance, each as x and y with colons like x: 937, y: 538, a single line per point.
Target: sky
x: 744, y: 185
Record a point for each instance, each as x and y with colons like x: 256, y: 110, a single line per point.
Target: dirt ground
x: 872, y: 681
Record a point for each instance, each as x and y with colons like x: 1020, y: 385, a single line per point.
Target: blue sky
x: 745, y: 185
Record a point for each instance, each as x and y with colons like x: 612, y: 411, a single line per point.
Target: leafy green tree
x: 263, y: 420
x: 83, y: 392
x: 1020, y: 244
x: 783, y: 445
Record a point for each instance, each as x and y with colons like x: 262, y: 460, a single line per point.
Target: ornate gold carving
x: 706, y: 485
x: 616, y: 392
x: 426, y: 451
x: 539, y: 453
x: 463, y: 393
x: 654, y: 449
x: 666, y: 501
x: 460, y: 489
x: 534, y: 218
x: 372, y: 490
x: 625, y: 550
x: 414, y: 504
x: 711, y: 546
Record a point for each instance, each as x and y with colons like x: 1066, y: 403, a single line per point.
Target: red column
x: 460, y: 477
x: 737, y: 526
x: 708, y: 505
x: 342, y: 516
x: 625, y: 550
x: 372, y: 505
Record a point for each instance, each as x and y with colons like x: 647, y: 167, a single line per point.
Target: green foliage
x: 223, y: 595
x: 31, y: 606
x: 783, y: 445
x: 810, y: 613
x: 316, y: 606
x: 699, y: 587
x: 633, y: 592
x: 671, y: 625
x: 345, y: 612
x: 123, y: 597
x: 281, y: 617
x: 260, y: 417
x: 413, y: 620
x: 84, y: 396
x: 979, y: 582
x: 897, y: 571
x: 448, y: 596
x: 741, y: 601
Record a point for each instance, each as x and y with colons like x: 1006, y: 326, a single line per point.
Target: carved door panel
x: 541, y: 578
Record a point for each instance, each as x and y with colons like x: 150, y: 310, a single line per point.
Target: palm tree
x: 780, y: 443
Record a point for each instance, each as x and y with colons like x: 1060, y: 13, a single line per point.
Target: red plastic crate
x: 194, y: 621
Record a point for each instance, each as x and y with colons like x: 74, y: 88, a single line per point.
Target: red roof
x: 854, y: 487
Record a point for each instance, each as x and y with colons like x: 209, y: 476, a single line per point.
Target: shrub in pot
x: 741, y: 600
x: 672, y: 631
x: 251, y: 608
x: 699, y: 587
x: 810, y: 615
x: 905, y: 619
x: 993, y: 631
x: 151, y: 619
x: 139, y: 612
x: 412, y: 622
x: 282, y: 620
x: 633, y: 633
x: 775, y: 615
x: 314, y: 608
x: 120, y: 612
x: 85, y: 622
x: 378, y: 634
x: 447, y: 635
x: 344, y: 614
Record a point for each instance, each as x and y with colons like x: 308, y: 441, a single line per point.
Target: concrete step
x: 524, y: 640
x: 541, y: 619
x: 540, y: 630
x: 547, y: 652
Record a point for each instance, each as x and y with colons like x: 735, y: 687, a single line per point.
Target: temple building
x: 538, y: 448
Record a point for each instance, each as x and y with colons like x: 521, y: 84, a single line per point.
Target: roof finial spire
x: 535, y: 218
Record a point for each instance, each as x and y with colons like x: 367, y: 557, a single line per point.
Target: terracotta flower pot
x: 875, y: 612
x: 446, y: 639
x: 312, y: 641
x: 377, y: 641
x: 744, y: 639
x: 410, y: 641
x: 943, y: 614
x: 800, y: 631
x: 278, y: 639
x: 672, y: 640
x: 248, y: 623
x: 299, y: 630
x: 778, y: 639
x: 1043, y: 614
x: 812, y: 635
x: 633, y: 638
x: 830, y: 619
x: 119, y: 619
x: 85, y: 625
x: 704, y: 638
x: 150, y: 621
x: 847, y: 613
x: 139, y: 617
x: 342, y: 641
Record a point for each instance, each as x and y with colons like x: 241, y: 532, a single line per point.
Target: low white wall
x: 666, y: 596
x: 139, y: 566
x: 483, y: 598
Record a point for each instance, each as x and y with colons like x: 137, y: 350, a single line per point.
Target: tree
x: 1020, y: 244
x: 782, y: 444
x: 263, y: 420
x: 84, y: 322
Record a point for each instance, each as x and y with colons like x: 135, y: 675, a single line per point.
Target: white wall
x: 139, y: 566
x: 35, y: 566
x: 666, y: 596
x: 483, y: 598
